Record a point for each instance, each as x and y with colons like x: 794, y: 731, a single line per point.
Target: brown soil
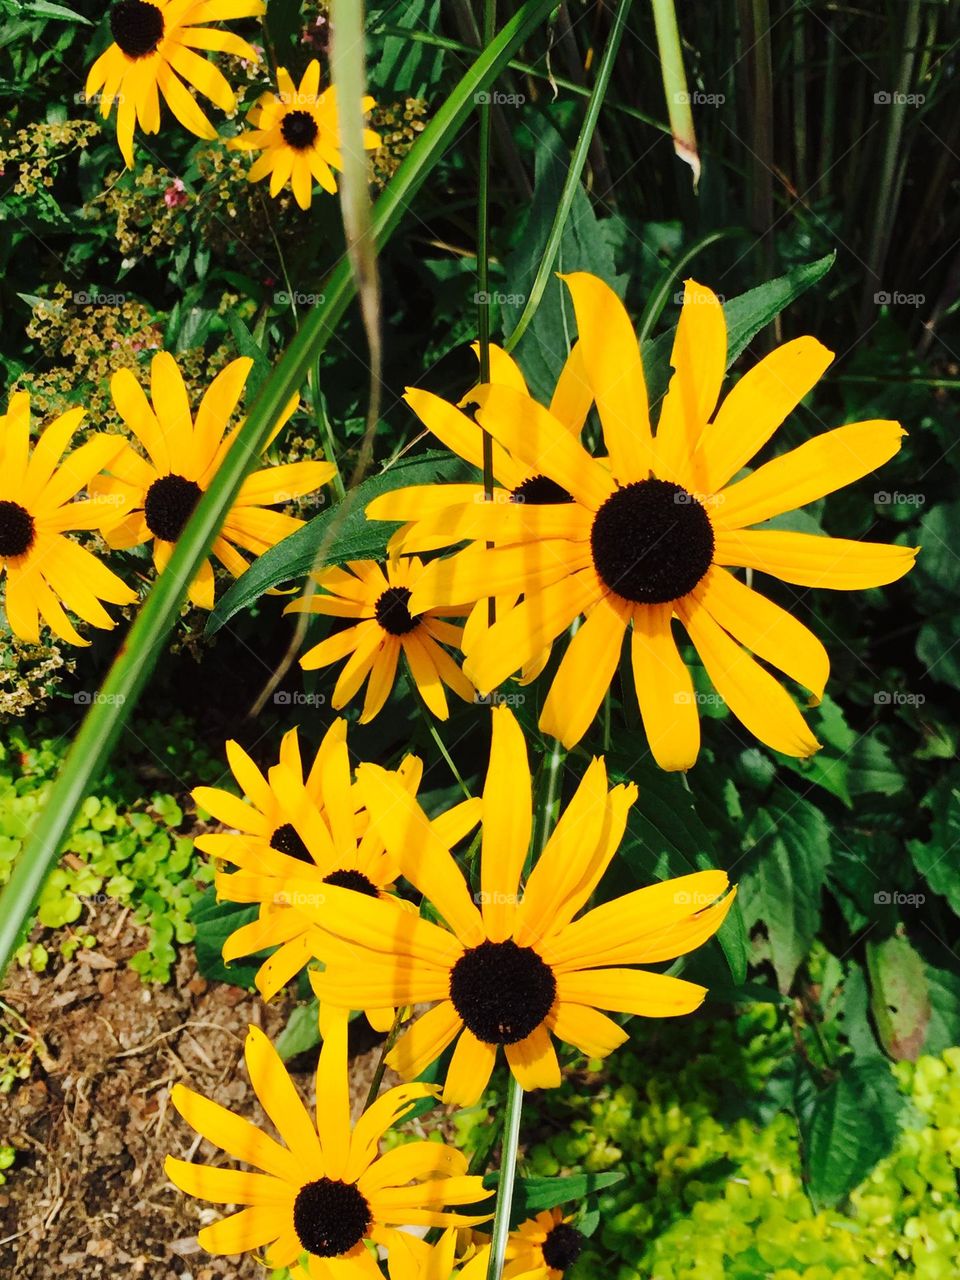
x: 87, y: 1195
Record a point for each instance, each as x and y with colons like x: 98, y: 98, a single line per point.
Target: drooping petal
x: 507, y: 825
x: 809, y: 560
x: 664, y: 688
x: 585, y: 672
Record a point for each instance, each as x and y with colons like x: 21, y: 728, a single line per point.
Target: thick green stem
x: 483, y: 265
x: 572, y: 183
x: 508, y: 1173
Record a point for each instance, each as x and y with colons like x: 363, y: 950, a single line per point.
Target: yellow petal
x: 282, y: 1103
x: 755, y: 408
x: 585, y: 672
x: 248, y: 1229
x: 611, y: 358
x: 469, y: 1072
x: 588, y: 1030
x: 228, y: 1186
x: 809, y: 560
x: 234, y: 1135
x: 424, y: 1041
x: 753, y: 695
x: 765, y: 629
x: 573, y: 395
x: 533, y: 1061
x: 652, y: 995
x: 507, y: 825
x: 822, y: 465
x: 664, y: 688
x: 699, y: 358
x: 333, y: 1093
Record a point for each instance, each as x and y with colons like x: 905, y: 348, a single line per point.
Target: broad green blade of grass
x: 132, y: 668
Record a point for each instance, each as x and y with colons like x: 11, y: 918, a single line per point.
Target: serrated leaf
x: 745, y: 315
x: 533, y: 1195
x: 783, y: 887
x: 341, y: 533
x: 215, y: 922
x: 936, y: 858
x: 900, y: 1001
x: 846, y: 1128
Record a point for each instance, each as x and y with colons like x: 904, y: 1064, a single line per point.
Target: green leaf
x: 943, y: 1030
x: 407, y: 67
x: 215, y: 922
x: 745, y: 315
x: 341, y: 533
x: 45, y: 9
x: 282, y: 28
x: 900, y: 1000
x: 791, y: 842
x: 936, y: 858
x: 533, y: 1195
x: 302, y: 1031
x: 846, y: 1128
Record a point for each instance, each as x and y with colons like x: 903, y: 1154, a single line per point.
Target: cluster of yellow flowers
x: 155, y: 52
x: 132, y: 498
x: 509, y: 954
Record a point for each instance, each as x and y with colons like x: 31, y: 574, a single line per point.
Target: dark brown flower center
x: 502, y: 991
x: 652, y: 542
x: 392, y: 613
x: 286, y: 839
x: 169, y: 505
x: 541, y: 491
x: 299, y: 129
x: 17, y: 529
x: 562, y: 1246
x: 354, y: 880
x: 137, y: 27
x: 330, y: 1217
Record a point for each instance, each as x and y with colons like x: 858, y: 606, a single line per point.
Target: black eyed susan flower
x: 154, y: 497
x: 542, y: 1248
x: 326, y: 1192
x: 377, y: 596
x: 435, y: 516
x: 515, y: 971
x: 298, y: 133
x: 155, y: 51
x: 314, y: 829
x: 44, y: 570
x: 654, y: 529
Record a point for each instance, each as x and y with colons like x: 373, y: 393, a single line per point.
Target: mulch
x: 87, y: 1195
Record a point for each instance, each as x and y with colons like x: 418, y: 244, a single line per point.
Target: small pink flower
x: 175, y: 195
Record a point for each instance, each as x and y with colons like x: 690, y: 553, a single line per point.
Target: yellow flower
x: 515, y: 970
x: 153, y: 500
x: 327, y: 1192
x: 315, y: 829
x: 652, y: 531
x: 298, y: 132
x: 376, y: 596
x: 542, y: 1248
x: 154, y: 45
x: 45, y: 570
x: 434, y: 516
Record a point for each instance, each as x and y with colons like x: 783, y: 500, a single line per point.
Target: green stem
x: 388, y: 1044
x: 661, y: 293
x: 675, y: 85
x: 483, y: 266
x: 572, y: 183
x: 427, y: 717
x: 508, y: 1172
x: 548, y: 802
x: 132, y: 669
